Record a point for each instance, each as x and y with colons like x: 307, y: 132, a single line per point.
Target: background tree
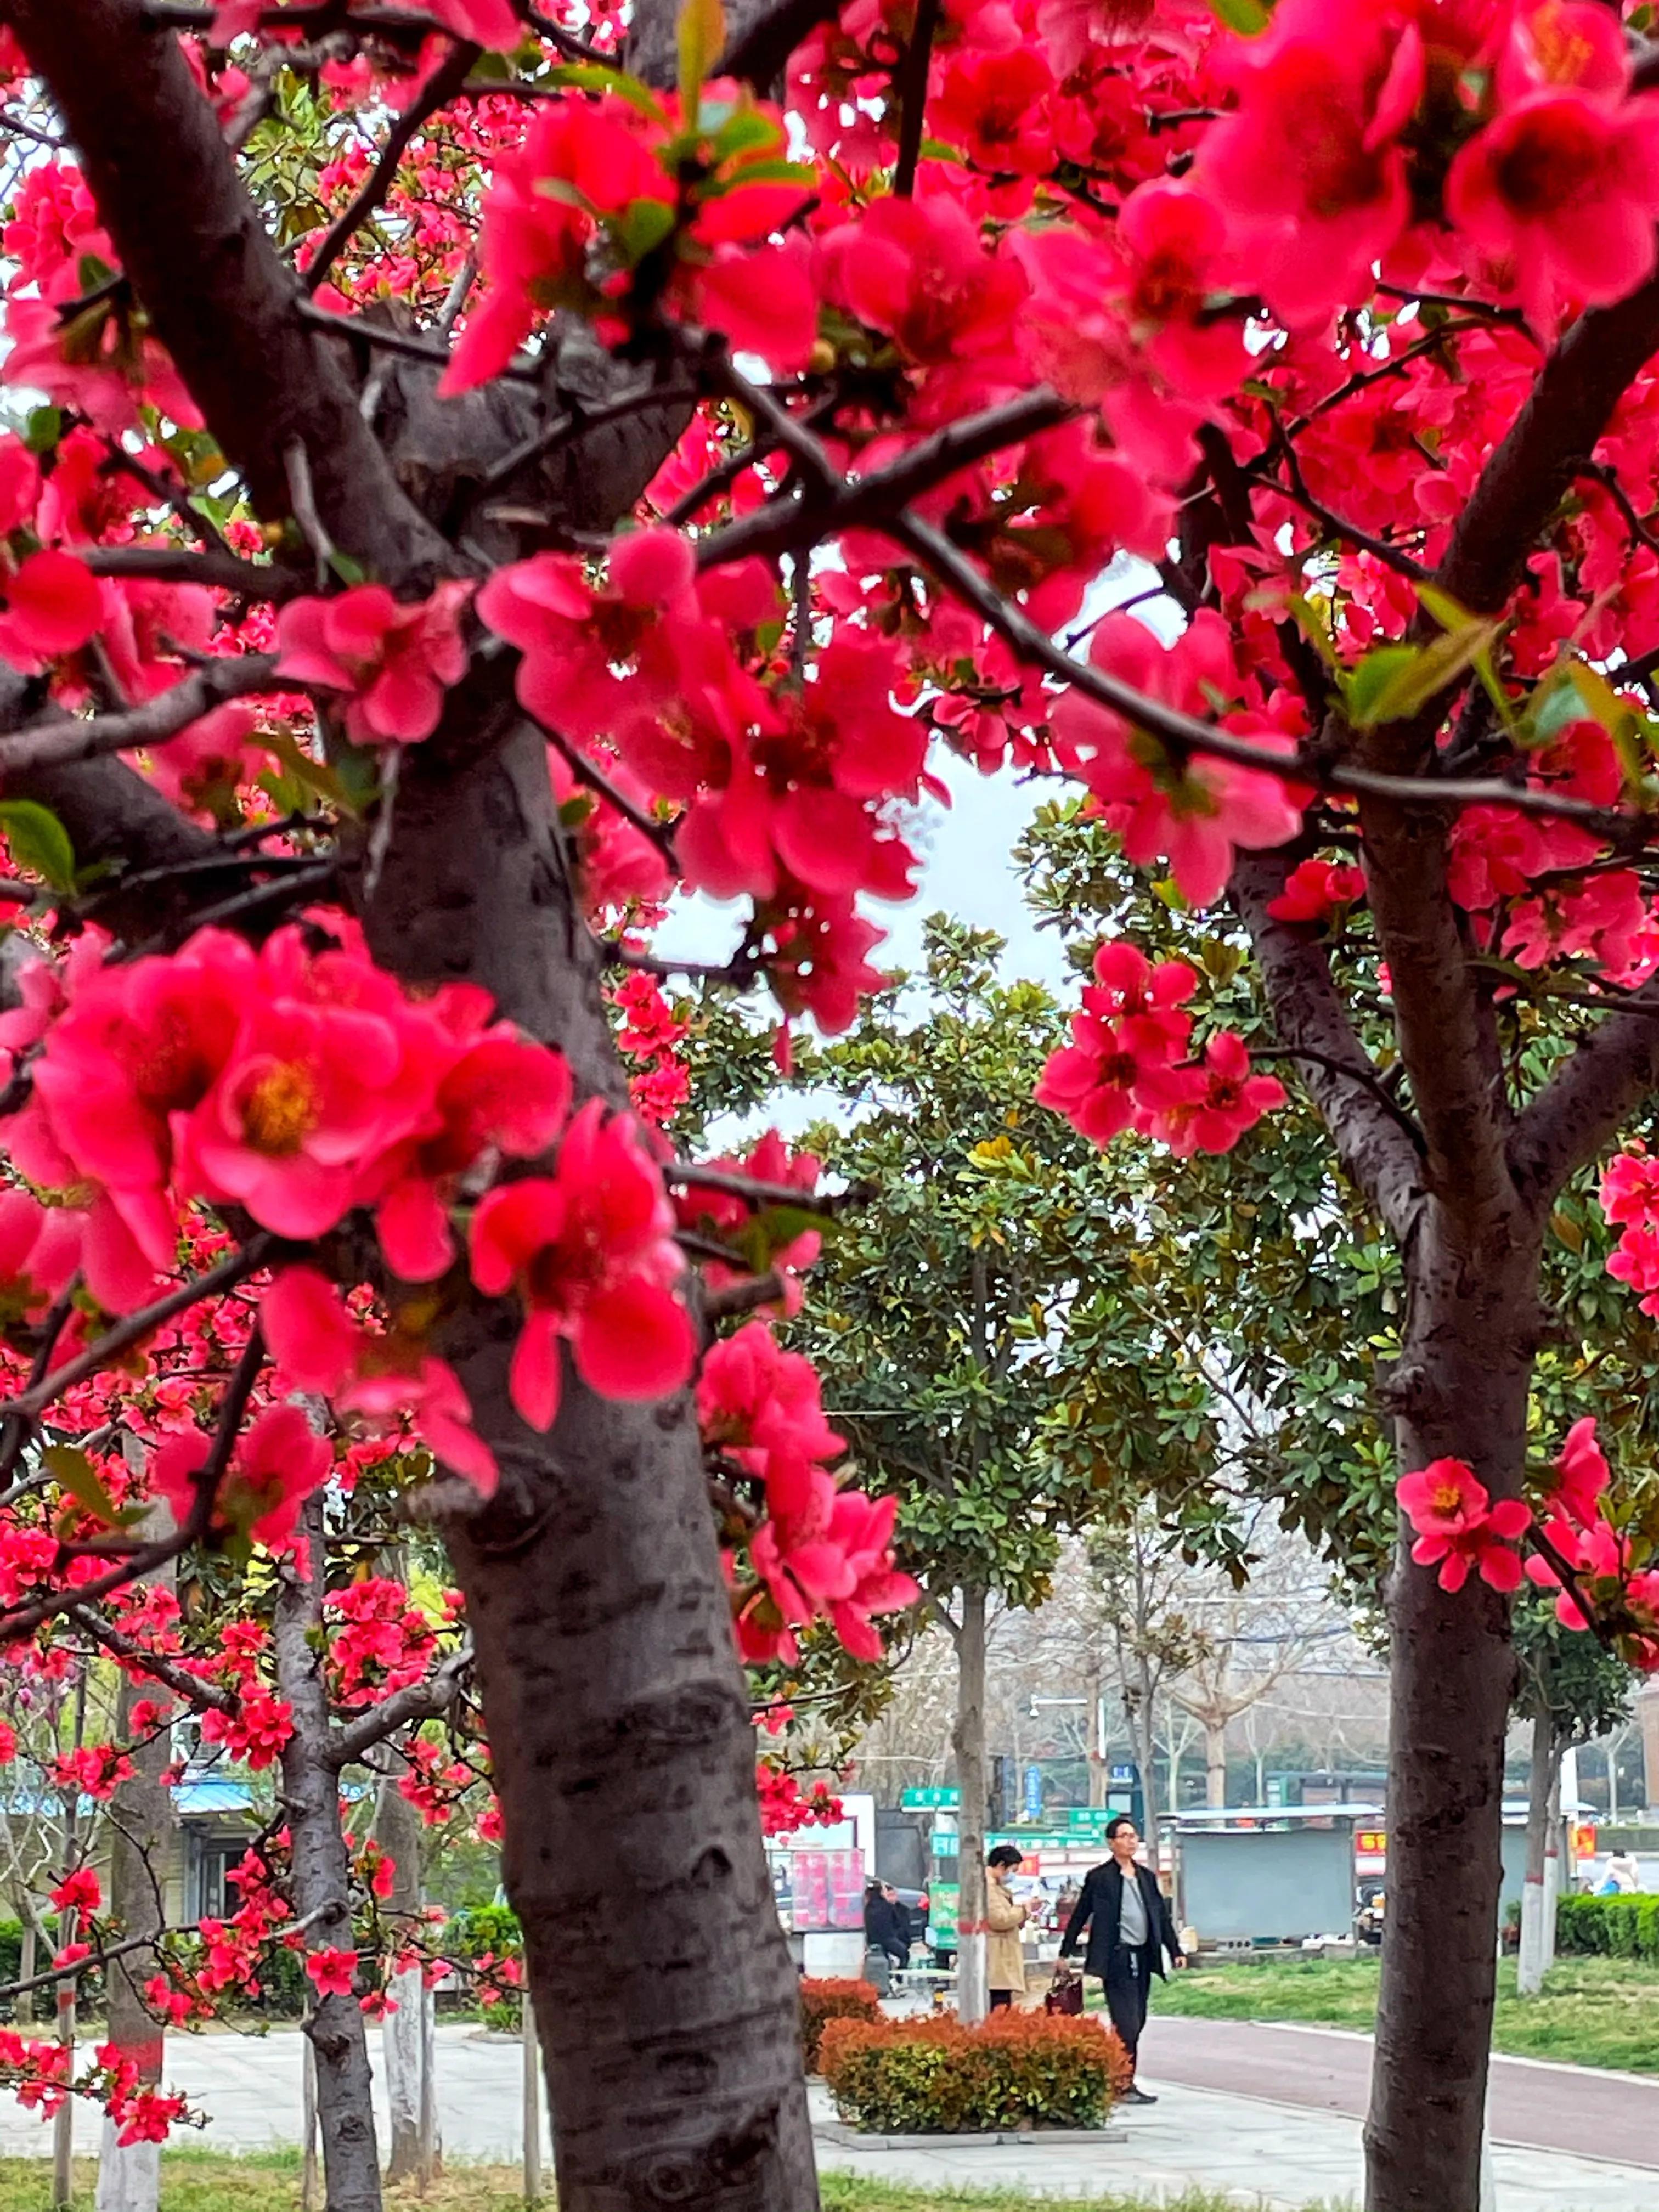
x: 942, y: 1303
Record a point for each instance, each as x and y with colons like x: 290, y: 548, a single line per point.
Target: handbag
x: 1065, y: 1994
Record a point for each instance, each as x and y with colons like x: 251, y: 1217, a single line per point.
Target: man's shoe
x: 1133, y: 2096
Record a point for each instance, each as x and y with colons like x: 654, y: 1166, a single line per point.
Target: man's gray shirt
x: 1132, y: 1927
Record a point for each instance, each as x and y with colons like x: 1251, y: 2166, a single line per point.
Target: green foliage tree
x: 948, y: 1308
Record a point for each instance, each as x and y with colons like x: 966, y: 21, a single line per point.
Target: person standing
x: 886, y: 1926
x: 1130, y: 1927
x: 1005, y: 1957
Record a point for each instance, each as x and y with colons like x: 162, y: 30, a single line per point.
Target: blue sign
x: 1034, y: 1793
x: 1123, y: 1774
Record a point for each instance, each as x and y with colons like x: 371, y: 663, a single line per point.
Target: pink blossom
x: 394, y: 661
x: 1226, y: 1100
x: 1196, y: 814
x: 1583, y: 1467
x: 1318, y: 890
x: 1458, y: 1527
x: 332, y: 1971
x: 591, y: 1252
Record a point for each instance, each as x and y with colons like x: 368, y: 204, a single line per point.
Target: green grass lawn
x: 199, y: 2181
x: 1593, y: 2012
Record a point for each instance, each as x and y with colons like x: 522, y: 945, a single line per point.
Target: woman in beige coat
x: 1005, y: 1960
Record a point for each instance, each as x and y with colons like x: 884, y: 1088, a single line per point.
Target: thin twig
x: 911, y: 86
x: 1184, y: 734
x: 63, y: 738
x: 296, y: 464
x: 566, y: 428
x: 597, y: 781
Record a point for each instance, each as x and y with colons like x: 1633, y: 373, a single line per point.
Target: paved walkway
x: 1563, y: 2108
x: 1290, y: 2153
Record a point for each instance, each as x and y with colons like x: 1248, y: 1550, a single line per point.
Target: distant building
x: 1647, y: 1711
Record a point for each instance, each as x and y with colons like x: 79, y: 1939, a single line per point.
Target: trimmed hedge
x: 936, y: 2077
x: 821, y: 2001
x: 1609, y: 1927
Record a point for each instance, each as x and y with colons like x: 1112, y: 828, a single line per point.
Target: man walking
x: 1129, y: 1928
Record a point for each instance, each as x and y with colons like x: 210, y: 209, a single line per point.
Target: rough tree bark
x: 968, y: 1743
x: 1215, y: 1762
x: 612, y: 1696
x: 144, y: 1830
x: 1465, y: 1191
x: 406, y: 2034
x: 321, y: 1877
x: 1532, y: 1964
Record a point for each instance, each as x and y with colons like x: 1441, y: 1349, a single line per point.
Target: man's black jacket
x: 1099, y: 1911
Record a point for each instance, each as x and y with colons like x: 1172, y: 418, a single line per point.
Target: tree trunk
x: 406, y: 2037
x: 1094, y: 1738
x: 1459, y: 1390
x: 1529, y: 1972
x: 1215, y: 1762
x: 1555, y: 1861
x: 311, y: 1796
x: 968, y: 1741
x: 1145, y: 1739
x: 141, y: 1851
x: 617, y: 1716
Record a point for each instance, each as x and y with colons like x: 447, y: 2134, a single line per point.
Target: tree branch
x: 131, y: 1653
x: 1566, y: 413
x: 1582, y: 1106
x: 420, y: 1701
x: 61, y: 740
x: 1376, y: 1152
x: 212, y: 283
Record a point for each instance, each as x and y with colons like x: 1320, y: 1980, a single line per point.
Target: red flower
x: 1226, y: 1100
x: 80, y: 1892
x: 49, y: 605
x: 333, y: 1972
x: 1561, y: 193
x: 318, y: 1346
x: 395, y: 661
x: 1583, y: 1467
x: 493, y: 23
x: 1459, y: 1528
x: 591, y: 1252
x: 1315, y: 891
x: 1308, y: 170
x: 505, y: 1093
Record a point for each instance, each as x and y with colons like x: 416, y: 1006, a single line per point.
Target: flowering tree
x: 442, y: 492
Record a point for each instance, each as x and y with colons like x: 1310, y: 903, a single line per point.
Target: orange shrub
x: 903, y: 2077
x: 821, y: 2001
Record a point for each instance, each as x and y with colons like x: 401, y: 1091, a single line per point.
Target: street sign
x: 1034, y: 1793
x: 1122, y: 1774
x: 929, y: 1800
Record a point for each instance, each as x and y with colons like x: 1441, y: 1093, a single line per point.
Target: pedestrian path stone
x: 1259, y: 2153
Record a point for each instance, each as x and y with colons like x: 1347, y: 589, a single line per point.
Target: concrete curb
x: 854, y: 2139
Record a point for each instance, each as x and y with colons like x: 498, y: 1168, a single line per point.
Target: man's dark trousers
x: 1129, y: 1980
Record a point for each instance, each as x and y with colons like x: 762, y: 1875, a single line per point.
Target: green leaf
x: 701, y: 32
x: 71, y: 1470
x: 596, y: 76
x: 1392, y: 683
x: 1314, y: 630
x: 313, y: 775
x: 347, y: 567
x: 759, y: 172
x: 43, y: 429
x: 1370, y: 679
x: 1247, y: 17
x: 744, y: 128
x: 38, y: 841
x: 642, y: 227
